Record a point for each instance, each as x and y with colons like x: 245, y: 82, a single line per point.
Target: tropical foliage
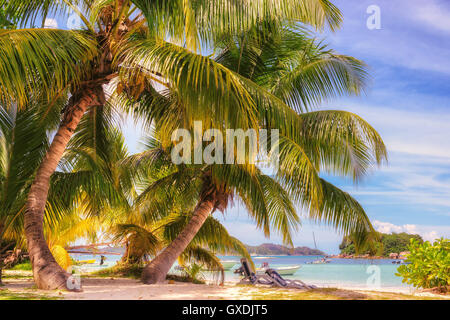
x: 230, y: 64
x: 428, y: 264
x: 4, y: 21
x: 23, y: 142
x: 117, y: 210
x: 276, y: 68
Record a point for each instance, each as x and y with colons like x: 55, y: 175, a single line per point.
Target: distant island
x: 267, y: 249
x: 392, y: 245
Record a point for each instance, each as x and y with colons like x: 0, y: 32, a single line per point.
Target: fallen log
x: 89, y: 246
x: 94, y: 253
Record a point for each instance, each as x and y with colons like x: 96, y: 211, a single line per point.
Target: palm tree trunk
x: 158, y: 268
x: 46, y: 271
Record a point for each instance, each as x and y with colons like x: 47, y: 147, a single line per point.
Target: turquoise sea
x: 361, y: 273
x: 357, y: 273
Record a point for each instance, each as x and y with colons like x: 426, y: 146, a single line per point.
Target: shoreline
x: 120, y: 288
x: 346, y: 286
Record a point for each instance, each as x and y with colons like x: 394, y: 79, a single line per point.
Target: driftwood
x: 87, y: 246
x: 96, y: 252
x: 12, y: 257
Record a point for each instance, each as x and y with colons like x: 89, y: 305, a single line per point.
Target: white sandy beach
x: 130, y: 289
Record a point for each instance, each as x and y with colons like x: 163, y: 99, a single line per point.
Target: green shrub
x: 428, y: 264
x: 184, y: 278
x: 133, y: 271
x: 22, y: 266
x: 194, y: 272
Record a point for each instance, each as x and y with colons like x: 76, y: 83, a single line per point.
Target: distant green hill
x: 276, y: 249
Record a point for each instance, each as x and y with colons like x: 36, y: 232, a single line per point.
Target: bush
x: 428, y: 265
x: 133, y: 271
x: 184, y: 278
x: 22, y: 266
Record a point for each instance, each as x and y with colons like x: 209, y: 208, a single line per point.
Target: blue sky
x: 407, y: 102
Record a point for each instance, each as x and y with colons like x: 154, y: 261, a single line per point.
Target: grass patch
x: 17, y: 274
x: 183, y: 278
x: 314, y: 294
x: 135, y: 272
x: 26, y: 266
x: 11, y: 295
x: 119, y: 270
x: 325, y: 294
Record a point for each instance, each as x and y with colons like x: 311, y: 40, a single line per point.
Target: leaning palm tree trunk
x: 47, y: 273
x: 158, y: 268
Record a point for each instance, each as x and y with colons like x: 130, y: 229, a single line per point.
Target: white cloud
x: 386, y: 227
x: 430, y: 236
x: 50, y: 23
x: 433, y: 14
x: 400, y: 42
x: 429, y: 233
x: 407, y: 131
x: 419, y: 150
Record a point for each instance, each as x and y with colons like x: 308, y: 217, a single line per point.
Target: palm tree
x: 146, y: 241
x: 196, y: 191
x: 113, y: 208
x: 87, y: 60
x: 23, y: 143
x: 143, y: 230
x: 297, y: 73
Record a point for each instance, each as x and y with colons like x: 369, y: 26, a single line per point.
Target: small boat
x: 284, y: 271
x: 318, y: 261
x: 262, y: 257
x: 322, y: 261
x: 228, y: 264
x: 91, y: 261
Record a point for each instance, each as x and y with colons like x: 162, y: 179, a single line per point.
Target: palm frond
x: 282, y: 214
x: 344, y: 213
x: 140, y: 241
x: 61, y: 256
x: 42, y: 61
x: 204, y: 257
x: 341, y: 142
x: 204, y: 21
x: 208, y: 90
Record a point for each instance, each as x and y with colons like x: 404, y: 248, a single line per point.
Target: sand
x: 130, y: 289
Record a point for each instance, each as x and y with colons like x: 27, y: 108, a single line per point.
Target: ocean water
x: 357, y: 273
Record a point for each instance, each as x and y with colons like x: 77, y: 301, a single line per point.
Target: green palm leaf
x: 341, y: 142
x: 42, y: 61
